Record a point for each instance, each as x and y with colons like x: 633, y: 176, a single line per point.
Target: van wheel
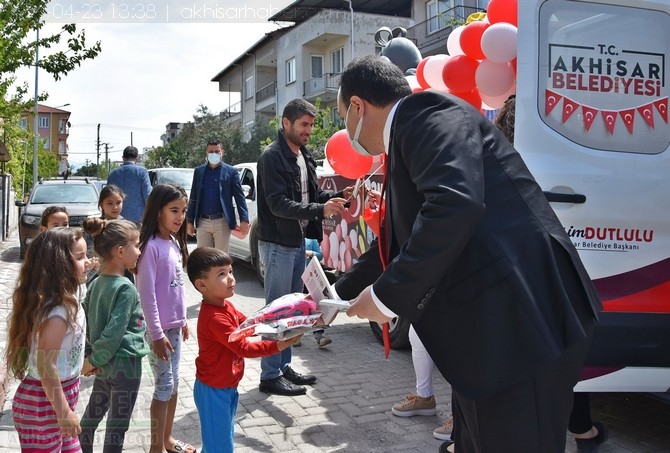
x: 398, y: 330
x: 255, y: 257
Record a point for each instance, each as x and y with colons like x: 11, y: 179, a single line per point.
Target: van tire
x: 399, y: 332
x: 255, y: 256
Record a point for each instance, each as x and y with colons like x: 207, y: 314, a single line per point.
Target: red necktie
x: 382, y: 243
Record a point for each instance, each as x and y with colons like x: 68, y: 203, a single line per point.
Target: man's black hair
x: 377, y: 81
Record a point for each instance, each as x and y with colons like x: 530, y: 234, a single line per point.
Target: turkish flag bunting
x: 610, y: 119
x: 569, y: 107
x: 628, y: 117
x: 647, y: 112
x: 589, y: 114
x: 551, y: 100
x: 662, y: 107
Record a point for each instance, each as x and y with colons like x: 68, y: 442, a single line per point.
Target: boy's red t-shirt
x: 220, y: 363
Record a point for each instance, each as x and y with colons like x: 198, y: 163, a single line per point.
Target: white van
x: 592, y: 126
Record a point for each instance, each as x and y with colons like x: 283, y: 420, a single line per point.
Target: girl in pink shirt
x: 160, y: 282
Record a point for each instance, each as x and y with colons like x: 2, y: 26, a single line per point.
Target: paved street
x: 347, y: 410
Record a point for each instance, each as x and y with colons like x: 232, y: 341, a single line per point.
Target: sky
x: 146, y: 76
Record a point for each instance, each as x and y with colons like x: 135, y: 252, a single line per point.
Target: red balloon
x: 344, y: 160
x: 471, y: 38
x: 458, y: 74
x: 513, y: 64
x: 502, y: 11
x: 419, y: 74
x: 472, y: 97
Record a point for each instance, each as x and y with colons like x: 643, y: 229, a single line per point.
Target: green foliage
x: 62, y: 53
x: 87, y: 170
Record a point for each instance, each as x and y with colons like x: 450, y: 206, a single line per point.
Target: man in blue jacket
x: 211, y: 215
x: 133, y: 179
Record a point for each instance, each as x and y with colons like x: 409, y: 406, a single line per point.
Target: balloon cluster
x: 481, y: 65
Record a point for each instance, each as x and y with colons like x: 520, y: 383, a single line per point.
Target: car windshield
x: 64, y: 193
x: 179, y: 177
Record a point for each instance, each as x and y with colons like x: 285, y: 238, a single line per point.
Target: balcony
x: 431, y: 35
x: 268, y: 91
x: 323, y: 87
x: 233, y: 110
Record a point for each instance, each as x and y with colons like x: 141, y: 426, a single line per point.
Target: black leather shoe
x: 281, y: 386
x: 444, y: 448
x: 591, y: 445
x: 297, y: 378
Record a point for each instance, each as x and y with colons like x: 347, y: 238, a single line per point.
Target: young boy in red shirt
x: 220, y: 363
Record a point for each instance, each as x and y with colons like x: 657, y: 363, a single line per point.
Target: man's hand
x: 348, y: 192
x: 190, y: 229
x: 333, y: 207
x: 244, y: 227
x: 364, y: 307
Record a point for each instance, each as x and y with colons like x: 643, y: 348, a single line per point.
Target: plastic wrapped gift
x: 286, y: 317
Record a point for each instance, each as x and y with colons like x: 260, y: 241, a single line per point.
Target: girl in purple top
x: 160, y: 282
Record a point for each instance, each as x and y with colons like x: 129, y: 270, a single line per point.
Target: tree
x: 324, y: 128
x: 62, y: 52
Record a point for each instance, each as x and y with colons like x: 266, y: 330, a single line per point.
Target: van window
x: 602, y: 81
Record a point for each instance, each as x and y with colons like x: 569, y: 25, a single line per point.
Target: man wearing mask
x: 211, y: 215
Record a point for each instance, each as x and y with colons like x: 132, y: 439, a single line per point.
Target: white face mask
x: 214, y: 158
x: 355, y: 144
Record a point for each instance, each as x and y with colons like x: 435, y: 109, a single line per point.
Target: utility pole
x: 107, y: 157
x: 97, y: 148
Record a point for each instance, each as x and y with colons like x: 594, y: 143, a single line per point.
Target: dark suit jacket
x: 229, y: 188
x: 480, y: 263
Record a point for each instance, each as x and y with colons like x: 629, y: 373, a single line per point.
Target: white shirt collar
x: 387, y: 127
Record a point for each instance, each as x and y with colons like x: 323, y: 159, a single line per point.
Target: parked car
x: 78, y: 195
x: 182, y: 177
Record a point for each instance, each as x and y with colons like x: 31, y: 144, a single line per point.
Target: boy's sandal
x: 182, y: 447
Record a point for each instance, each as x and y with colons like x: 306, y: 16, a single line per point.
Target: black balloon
x: 402, y: 52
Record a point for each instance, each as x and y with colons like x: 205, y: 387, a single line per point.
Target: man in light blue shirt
x: 133, y: 179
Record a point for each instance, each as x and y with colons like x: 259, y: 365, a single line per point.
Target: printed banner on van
x: 606, y: 84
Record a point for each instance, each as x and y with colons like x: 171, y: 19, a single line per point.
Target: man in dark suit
x: 476, y: 259
x: 210, y: 214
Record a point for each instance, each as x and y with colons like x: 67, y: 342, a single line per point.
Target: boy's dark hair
x: 297, y: 108
x: 214, y: 142
x: 202, y: 259
x: 49, y: 211
x: 377, y: 81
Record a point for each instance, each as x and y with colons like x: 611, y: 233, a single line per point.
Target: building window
x: 483, y: 4
x: 335, y: 117
x: 23, y: 123
x: 44, y: 122
x: 317, y: 66
x: 441, y: 12
x: 290, y: 71
x: 249, y: 87
x: 337, y: 60
x: 61, y: 147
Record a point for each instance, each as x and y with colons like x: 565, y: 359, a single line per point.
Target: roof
x: 302, y: 10
x: 267, y: 37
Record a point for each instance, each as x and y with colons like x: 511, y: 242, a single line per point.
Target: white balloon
x: 496, y: 102
x: 454, y: 41
x: 499, y: 42
x: 432, y: 71
x: 413, y: 82
x: 494, y: 79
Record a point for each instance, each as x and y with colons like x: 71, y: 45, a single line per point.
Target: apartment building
x: 305, y: 58
x: 53, y: 127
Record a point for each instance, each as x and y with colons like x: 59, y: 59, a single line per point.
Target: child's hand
x: 162, y: 348
x: 69, y: 425
x: 284, y: 344
x: 185, y: 332
x: 95, y: 263
x: 88, y: 369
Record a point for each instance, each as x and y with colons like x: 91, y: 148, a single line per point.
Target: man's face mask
x: 214, y: 158
x: 360, y: 149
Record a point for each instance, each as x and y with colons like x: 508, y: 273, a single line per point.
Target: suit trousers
x: 213, y: 233
x: 530, y: 416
